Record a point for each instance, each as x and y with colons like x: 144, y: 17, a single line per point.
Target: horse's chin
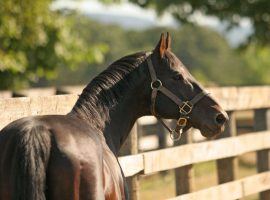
x: 211, y: 134
x: 207, y: 132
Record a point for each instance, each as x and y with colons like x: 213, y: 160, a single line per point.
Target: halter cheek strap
x: 185, y: 107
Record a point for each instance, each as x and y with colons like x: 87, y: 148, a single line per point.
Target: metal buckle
x: 182, y: 121
x: 156, y: 82
x: 186, y: 108
x: 175, y: 136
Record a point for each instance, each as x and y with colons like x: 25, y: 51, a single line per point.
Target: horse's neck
x: 116, y: 121
x: 122, y: 120
x: 124, y: 115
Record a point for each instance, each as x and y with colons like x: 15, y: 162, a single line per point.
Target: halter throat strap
x: 185, y: 107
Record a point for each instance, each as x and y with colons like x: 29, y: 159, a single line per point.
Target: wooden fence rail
x: 231, y: 98
x: 45, y: 91
x: 225, y: 150
x: 231, y: 190
x: 171, y: 158
x: 235, y: 98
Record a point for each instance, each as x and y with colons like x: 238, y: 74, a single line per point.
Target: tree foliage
x: 258, y: 64
x: 35, y: 41
x: 203, y: 51
x: 231, y: 11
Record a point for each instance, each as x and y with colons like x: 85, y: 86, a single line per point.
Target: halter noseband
x: 185, y: 107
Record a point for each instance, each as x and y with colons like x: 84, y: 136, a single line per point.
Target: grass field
x: 161, y: 186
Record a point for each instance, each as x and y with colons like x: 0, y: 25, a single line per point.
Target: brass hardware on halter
x: 182, y: 121
x: 186, y: 108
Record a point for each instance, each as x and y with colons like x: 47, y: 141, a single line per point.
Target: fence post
x: 262, y: 122
x: 161, y: 133
x: 227, y: 168
x: 133, y: 182
x: 184, y: 176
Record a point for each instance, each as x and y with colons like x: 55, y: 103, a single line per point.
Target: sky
x: 131, y: 16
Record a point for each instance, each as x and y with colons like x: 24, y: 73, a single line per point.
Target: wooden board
x: 35, y: 92
x: 262, y: 122
x: 171, y: 158
x: 185, y: 175
x: 5, y: 94
x: 242, y: 98
x: 70, y: 89
x: 232, y: 190
x: 231, y: 98
x: 227, y: 168
x: 16, y: 108
x: 131, y: 165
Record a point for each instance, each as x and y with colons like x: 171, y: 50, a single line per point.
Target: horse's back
x: 61, y: 148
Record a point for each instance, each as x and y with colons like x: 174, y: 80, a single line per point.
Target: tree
x: 231, y: 11
x: 257, y: 64
x: 35, y: 41
x: 205, y: 52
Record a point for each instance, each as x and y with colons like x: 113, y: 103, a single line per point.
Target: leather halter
x: 185, y: 107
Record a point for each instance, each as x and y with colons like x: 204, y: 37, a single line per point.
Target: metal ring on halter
x: 177, y: 137
x: 154, y: 82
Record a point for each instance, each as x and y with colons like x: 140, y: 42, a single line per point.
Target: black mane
x: 105, y: 90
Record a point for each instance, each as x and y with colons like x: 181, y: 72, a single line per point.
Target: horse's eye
x: 178, y: 77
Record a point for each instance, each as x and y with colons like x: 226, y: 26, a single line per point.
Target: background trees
x: 205, y: 52
x: 257, y: 11
x: 35, y: 41
x: 40, y: 46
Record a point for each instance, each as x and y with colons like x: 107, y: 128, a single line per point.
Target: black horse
x: 74, y: 156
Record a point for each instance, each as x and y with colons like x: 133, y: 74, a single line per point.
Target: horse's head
x: 203, y: 112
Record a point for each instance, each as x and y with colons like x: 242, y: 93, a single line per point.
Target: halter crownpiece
x: 185, y: 107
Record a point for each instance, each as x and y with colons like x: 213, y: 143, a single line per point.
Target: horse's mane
x: 106, y: 90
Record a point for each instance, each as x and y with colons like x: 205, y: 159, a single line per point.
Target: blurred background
x: 62, y: 42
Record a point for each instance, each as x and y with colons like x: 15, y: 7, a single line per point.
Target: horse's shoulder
x: 73, y: 138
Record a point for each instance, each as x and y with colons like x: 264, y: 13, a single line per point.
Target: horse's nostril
x: 221, y: 119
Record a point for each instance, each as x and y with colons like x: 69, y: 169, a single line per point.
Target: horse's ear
x: 161, y: 46
x: 168, y: 41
